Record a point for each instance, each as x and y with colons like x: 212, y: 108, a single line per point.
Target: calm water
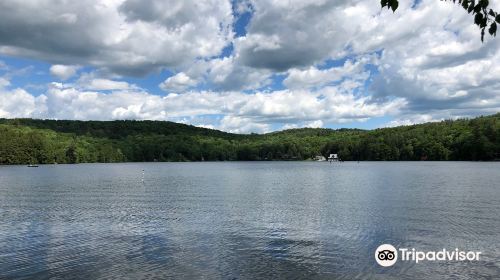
x: 243, y: 220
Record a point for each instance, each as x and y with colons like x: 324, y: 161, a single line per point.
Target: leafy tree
x: 25, y: 141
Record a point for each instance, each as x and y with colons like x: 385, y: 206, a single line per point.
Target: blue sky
x: 245, y: 66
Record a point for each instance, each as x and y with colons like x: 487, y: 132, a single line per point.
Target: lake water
x: 246, y: 220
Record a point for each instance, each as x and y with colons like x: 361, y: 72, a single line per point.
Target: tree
x: 47, y: 141
x: 71, y: 154
x: 483, y: 17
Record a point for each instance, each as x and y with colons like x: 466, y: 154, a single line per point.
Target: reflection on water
x: 274, y: 220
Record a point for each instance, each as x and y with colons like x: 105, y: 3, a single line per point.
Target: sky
x: 246, y: 66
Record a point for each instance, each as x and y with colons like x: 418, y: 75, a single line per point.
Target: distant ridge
x: 25, y: 141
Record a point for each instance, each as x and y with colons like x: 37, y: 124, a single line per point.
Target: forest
x: 32, y: 141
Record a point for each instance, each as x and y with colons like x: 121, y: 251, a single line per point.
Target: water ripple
x: 245, y: 220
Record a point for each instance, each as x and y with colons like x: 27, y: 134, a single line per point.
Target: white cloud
x: 18, y: 103
x: 412, y: 120
x: 444, y: 70
x: 106, y: 84
x: 288, y: 34
x: 131, y: 37
x: 178, y: 83
x: 243, y: 6
x: 4, y: 82
x: 311, y: 124
x: 63, y: 72
x: 227, y: 74
x: 95, y: 81
x: 237, y: 124
x: 314, y: 77
x: 424, y: 62
x: 241, y: 112
x: 314, y: 124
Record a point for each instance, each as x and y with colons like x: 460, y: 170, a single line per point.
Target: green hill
x: 25, y: 141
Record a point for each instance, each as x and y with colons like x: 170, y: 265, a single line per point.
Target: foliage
x: 483, y: 17
x: 24, y: 141
x: 23, y: 145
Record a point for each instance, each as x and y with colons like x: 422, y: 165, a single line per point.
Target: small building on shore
x: 333, y: 157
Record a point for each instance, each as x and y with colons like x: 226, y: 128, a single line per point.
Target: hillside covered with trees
x: 24, y: 141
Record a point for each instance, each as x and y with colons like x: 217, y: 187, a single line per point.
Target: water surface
x: 246, y: 220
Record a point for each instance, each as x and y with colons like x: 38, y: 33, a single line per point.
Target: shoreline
x: 260, y: 161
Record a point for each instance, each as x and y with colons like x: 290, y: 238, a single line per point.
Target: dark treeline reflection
x: 25, y: 141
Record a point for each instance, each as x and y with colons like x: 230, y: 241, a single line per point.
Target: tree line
x: 30, y: 141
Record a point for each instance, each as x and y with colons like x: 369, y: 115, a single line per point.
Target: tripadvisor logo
x: 387, y: 255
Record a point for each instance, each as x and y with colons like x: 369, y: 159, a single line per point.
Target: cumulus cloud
x: 311, y: 124
x: 238, y: 124
x: 63, y: 72
x: 227, y: 74
x: 96, y: 82
x: 219, y: 74
x: 424, y: 62
x: 410, y: 120
x: 132, y: 37
x: 241, y: 112
x: 178, y: 83
x: 106, y: 84
x: 442, y: 71
x: 314, y: 124
x: 314, y: 77
x: 18, y: 103
x: 288, y: 34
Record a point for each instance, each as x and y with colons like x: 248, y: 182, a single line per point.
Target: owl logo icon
x: 386, y: 255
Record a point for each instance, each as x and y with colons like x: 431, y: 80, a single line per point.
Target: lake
x: 247, y: 220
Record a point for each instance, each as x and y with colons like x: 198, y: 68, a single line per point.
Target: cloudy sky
x: 246, y: 66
